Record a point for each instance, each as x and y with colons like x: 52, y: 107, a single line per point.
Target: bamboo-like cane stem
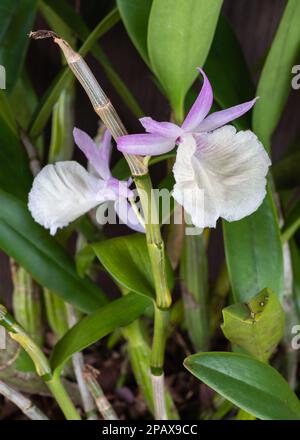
x: 22, y: 402
x: 139, y: 169
x: 103, y: 405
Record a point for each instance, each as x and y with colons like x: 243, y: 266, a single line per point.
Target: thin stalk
x: 62, y: 398
x: 18, y: 334
x: 139, y: 169
x: 103, y: 405
x: 78, y: 366
x: 22, y: 402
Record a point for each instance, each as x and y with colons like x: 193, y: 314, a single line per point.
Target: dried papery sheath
x: 102, y: 105
x: 159, y: 397
x: 78, y: 366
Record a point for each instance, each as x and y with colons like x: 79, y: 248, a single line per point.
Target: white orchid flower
x: 66, y: 190
x: 214, y: 161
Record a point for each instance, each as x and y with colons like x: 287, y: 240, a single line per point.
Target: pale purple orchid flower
x: 63, y: 192
x: 225, y: 169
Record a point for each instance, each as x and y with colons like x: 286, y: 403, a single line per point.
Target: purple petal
x: 98, y: 157
x: 105, y: 153
x: 201, y: 106
x: 127, y: 215
x: 165, y: 129
x: 145, y: 144
x: 218, y: 119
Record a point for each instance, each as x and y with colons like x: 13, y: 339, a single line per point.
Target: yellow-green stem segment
x: 41, y: 363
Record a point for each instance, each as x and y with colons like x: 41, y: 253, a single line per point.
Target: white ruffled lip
x: 63, y: 192
x: 222, y: 174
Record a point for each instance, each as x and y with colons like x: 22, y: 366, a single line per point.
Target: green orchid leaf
x: 135, y: 16
x: 127, y: 260
x: 275, y: 80
x: 16, y: 21
x: 254, y: 253
x: 256, y: 326
x: 15, y: 175
x: 254, y: 386
x: 90, y: 329
x: 180, y: 34
x: 40, y: 254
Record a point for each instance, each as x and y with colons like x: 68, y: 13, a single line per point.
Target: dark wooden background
x: 255, y: 22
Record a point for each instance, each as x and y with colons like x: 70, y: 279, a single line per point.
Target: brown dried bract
x: 46, y: 33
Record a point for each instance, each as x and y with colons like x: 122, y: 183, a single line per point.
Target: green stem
x: 62, y: 398
x: 156, y: 246
x: 161, y: 320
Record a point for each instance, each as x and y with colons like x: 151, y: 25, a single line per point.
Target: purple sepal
x: 218, y: 119
x: 145, y: 144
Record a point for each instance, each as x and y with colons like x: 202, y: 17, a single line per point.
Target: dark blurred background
x: 254, y: 22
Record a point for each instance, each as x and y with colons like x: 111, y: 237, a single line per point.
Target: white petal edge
x: 229, y: 167
x: 63, y: 192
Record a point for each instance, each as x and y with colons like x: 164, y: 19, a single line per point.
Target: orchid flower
x: 66, y: 190
x: 214, y: 161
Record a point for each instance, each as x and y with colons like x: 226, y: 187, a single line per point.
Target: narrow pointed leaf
x: 16, y: 20
x: 90, y: 329
x: 275, y: 80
